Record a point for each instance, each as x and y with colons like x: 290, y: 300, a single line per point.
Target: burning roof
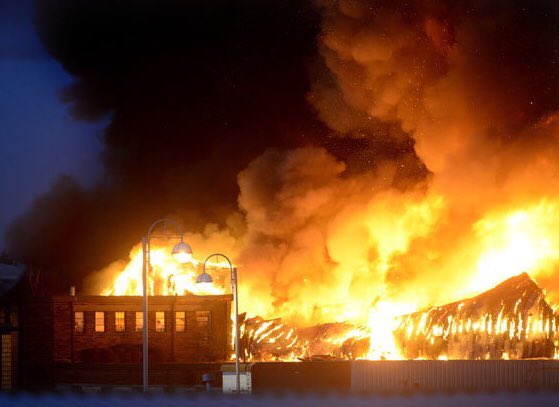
x: 512, y: 320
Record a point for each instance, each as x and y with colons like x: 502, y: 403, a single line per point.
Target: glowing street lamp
x: 206, y: 278
x: 182, y: 252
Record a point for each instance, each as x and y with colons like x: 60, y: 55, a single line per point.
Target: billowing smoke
x: 473, y: 88
x: 430, y: 175
x: 475, y: 85
x: 467, y: 81
x: 194, y: 91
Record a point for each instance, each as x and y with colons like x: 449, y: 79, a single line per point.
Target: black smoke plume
x: 195, y: 90
x: 368, y: 150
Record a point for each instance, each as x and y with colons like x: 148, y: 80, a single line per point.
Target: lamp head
x: 204, y: 278
x: 182, y: 252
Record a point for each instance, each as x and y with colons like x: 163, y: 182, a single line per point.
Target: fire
x: 435, y: 183
x: 524, y: 240
x: 382, y: 324
x: 502, y: 244
x: 168, y: 275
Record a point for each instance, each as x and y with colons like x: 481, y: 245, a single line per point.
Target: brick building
x: 8, y: 347
x: 10, y: 274
x: 102, y: 332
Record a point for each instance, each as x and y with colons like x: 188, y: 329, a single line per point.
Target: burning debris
x: 272, y: 340
x: 511, y: 320
x: 265, y: 340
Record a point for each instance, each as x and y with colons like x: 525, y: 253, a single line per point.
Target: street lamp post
x: 206, y: 278
x: 181, y: 251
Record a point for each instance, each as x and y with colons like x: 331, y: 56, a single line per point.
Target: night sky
x: 39, y: 138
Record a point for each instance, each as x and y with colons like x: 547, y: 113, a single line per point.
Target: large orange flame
x: 501, y: 244
x: 168, y: 275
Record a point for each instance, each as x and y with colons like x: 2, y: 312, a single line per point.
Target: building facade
x: 10, y: 274
x: 8, y: 348
x: 103, y: 330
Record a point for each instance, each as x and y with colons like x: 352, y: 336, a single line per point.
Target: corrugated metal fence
x: 454, y: 375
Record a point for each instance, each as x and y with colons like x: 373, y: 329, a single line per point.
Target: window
x: 160, y: 321
x: 180, y: 321
x: 6, y: 362
x: 99, y: 321
x: 120, y: 324
x: 139, y: 321
x: 203, y: 319
x: 79, y: 322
